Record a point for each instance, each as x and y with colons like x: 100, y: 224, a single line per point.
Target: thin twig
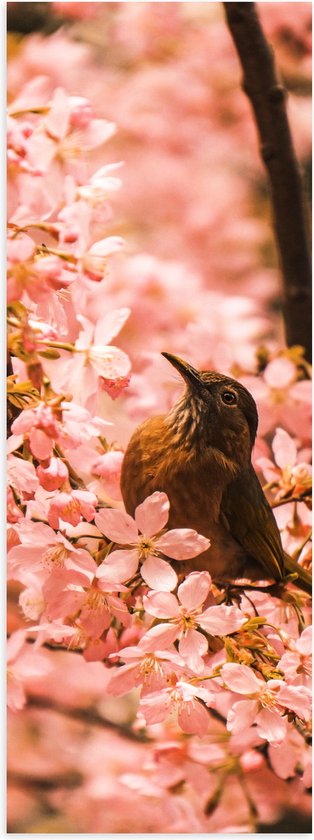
x: 267, y: 96
x: 289, y: 500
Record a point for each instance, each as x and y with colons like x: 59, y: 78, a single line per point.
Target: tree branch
x: 90, y: 717
x: 267, y: 96
x: 69, y: 780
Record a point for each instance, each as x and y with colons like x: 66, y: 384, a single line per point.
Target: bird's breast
x: 194, y: 484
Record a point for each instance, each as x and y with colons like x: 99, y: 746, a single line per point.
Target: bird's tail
x: 304, y: 579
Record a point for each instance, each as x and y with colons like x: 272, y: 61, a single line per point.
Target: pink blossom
x: 267, y: 704
x: 280, y: 399
x: 31, y: 599
x: 54, y: 475
x: 51, y: 274
x: 23, y: 664
x: 290, y: 755
x: 64, y: 131
x: 102, y: 182
x: 14, y: 513
x: 39, y: 426
x: 296, y: 662
x: 78, y: 425
x: 81, y: 112
x: 150, y: 517
x: 96, y: 258
x: 38, y: 277
x: 94, y: 356
x: 90, y: 589
x: 71, y: 507
x: 146, y: 666
x: 184, y: 698
x: 291, y: 476
x: 40, y: 550
x: 187, y: 614
x: 22, y: 476
x: 108, y: 467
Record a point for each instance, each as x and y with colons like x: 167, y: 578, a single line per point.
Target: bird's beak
x: 190, y: 375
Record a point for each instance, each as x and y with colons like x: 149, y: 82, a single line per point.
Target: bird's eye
x: 228, y: 397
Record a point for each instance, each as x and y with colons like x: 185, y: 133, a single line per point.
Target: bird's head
x: 214, y: 410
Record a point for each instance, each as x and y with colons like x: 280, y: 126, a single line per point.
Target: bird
x: 199, y: 454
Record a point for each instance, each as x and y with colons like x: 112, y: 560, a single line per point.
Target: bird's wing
x: 252, y: 523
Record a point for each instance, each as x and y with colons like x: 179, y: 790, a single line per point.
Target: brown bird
x: 200, y: 455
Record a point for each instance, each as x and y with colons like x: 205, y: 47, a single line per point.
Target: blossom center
x: 145, y: 547
x: 188, y: 621
x: 78, y: 640
x: 268, y: 699
x: 150, y: 665
x: 96, y: 600
x: 55, y: 555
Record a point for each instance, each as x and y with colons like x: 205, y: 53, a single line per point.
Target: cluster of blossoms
x: 217, y: 678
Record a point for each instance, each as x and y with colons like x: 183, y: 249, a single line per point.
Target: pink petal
x: 302, y: 391
x: 15, y: 644
x: 41, y: 445
x: 158, y: 574
x: 103, y: 248
x: 304, y: 643
x: 296, y: 698
x: 24, y: 423
x: 65, y: 603
x: 284, y: 757
x: 242, y: 715
x: 118, y: 526
x: 97, y: 132
x: 110, y: 324
x: 154, y: 707
x: 16, y: 697
x: 14, y: 442
x: 95, y: 622
x: 97, y: 650
x: 192, y: 648
x: 159, y: 637
x: 119, y: 610
x: 271, y: 726
x: 151, y: 516
x: 284, y: 448
x: 20, y: 249
x: 161, y: 604
x: 221, y: 620
x: 133, y: 652
x: 21, y: 557
x: 123, y: 680
x: 194, y: 590
x: 109, y: 361
x: 119, y: 566
x: 268, y: 469
x: 241, y: 679
x: 193, y: 718
x: 182, y: 543
x: 57, y: 120
x: 84, y: 560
